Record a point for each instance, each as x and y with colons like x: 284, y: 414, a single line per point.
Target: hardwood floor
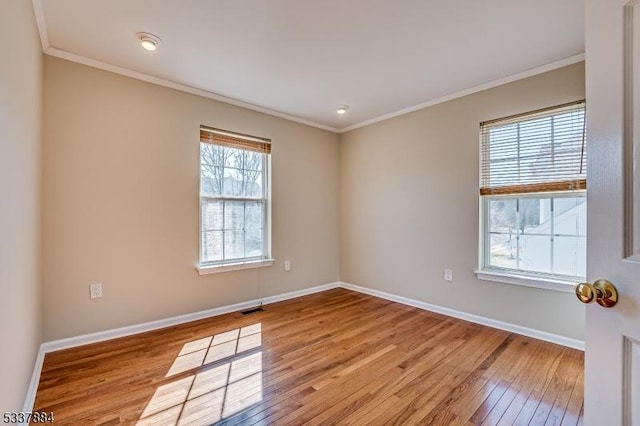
x: 336, y: 357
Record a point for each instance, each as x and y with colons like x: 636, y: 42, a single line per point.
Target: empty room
x: 320, y: 212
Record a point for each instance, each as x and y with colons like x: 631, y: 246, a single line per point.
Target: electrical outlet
x: 448, y: 275
x: 95, y: 290
x: 287, y: 265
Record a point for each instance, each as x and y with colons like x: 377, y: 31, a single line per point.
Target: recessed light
x: 342, y: 109
x: 149, y: 41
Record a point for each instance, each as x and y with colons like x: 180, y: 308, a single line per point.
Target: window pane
x: 212, y: 155
x: 232, y: 184
x: 210, y: 181
x: 253, y: 215
x: 233, y: 157
x: 528, y: 247
x: 502, y: 215
x: 233, y: 244
x: 211, y: 215
x: 211, y: 246
x: 503, y: 251
x: 535, y: 253
x: 234, y: 215
x: 253, y: 160
x: 570, y: 216
x: 569, y: 256
x: 530, y: 213
x: 253, y: 242
x: 252, y: 184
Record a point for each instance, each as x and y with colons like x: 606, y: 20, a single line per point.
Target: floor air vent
x: 252, y: 311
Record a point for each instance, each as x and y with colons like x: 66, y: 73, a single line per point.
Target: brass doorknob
x: 602, y: 291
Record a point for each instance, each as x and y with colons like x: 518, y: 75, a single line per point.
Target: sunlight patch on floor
x: 215, y: 348
x: 214, y: 393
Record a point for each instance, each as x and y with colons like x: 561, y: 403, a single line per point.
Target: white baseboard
x: 33, y: 384
x: 101, y: 336
x: 72, y: 342
x: 525, y: 331
x: 300, y: 293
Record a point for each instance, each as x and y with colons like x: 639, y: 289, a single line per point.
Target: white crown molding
x: 41, y: 23
x: 52, y: 51
x: 495, y: 83
x: 59, y: 53
x: 489, y: 322
x: 63, y: 54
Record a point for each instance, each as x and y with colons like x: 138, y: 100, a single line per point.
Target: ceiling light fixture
x: 149, y: 41
x: 342, y: 109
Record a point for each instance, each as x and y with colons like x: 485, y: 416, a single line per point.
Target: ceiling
x: 300, y: 59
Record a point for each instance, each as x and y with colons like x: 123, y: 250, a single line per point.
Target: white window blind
x: 541, y: 151
x: 533, y: 189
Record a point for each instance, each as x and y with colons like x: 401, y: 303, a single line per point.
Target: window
x: 533, y: 197
x: 234, y: 200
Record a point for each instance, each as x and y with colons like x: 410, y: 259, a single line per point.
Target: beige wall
x: 409, y: 206
x: 387, y: 206
x: 121, y: 202
x: 20, y: 144
x: 121, y: 205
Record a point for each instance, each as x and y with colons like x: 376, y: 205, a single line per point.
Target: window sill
x: 527, y: 281
x: 215, y: 269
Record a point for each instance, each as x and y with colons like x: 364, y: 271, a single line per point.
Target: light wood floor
x: 336, y: 357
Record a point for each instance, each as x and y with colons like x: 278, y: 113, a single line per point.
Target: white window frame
x: 486, y: 272
x: 209, y: 267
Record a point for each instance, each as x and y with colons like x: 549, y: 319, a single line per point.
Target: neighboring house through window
x: 533, y: 198
x: 234, y: 200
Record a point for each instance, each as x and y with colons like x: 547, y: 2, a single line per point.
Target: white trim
x: 299, y: 293
x: 41, y: 23
x: 52, y: 51
x: 58, y: 53
x: 101, y: 336
x: 631, y: 140
x: 489, y: 322
x: 35, y: 381
x: 215, y: 269
x: 499, y: 82
x: 535, y: 282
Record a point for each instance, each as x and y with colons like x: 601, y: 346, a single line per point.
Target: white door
x: 612, y: 357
